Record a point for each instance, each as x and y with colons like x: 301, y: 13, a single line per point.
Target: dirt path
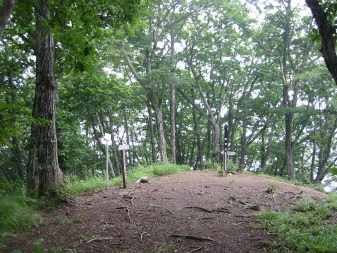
x: 186, y: 212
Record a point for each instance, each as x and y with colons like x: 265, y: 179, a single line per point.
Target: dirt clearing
x: 193, y: 211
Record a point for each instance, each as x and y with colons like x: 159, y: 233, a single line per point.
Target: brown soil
x: 186, y: 212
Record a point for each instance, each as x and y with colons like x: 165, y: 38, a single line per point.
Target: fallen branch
x: 200, y: 208
x: 195, y: 250
x: 217, y: 210
x: 192, y: 237
x: 101, y: 239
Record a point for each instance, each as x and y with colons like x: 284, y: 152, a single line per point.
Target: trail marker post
x: 226, y: 149
x: 107, y: 141
x: 125, y: 176
x: 226, y: 153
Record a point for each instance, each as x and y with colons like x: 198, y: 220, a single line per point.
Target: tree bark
x: 43, y: 169
x: 327, y: 32
x: 161, y: 132
x: 153, y: 148
x: 5, y: 14
x: 266, y: 154
x: 173, y: 99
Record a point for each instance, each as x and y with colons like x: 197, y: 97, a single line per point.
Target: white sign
x: 104, y: 141
x: 107, y: 137
x: 123, y: 147
x: 231, y: 153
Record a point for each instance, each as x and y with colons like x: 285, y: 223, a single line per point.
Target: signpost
x: 226, y: 153
x: 107, y: 141
x: 226, y: 149
x: 123, y: 148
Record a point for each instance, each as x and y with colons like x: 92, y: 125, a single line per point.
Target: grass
x: 19, y: 212
x: 99, y: 183
x: 308, y: 229
x: 316, y: 187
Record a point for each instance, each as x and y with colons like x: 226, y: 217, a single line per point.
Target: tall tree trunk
x: 5, y: 13
x: 266, y: 154
x: 286, y: 100
x: 43, y: 169
x: 161, y: 132
x: 173, y: 100
x: 197, y: 132
x: 313, y: 158
x: 153, y: 147
x: 325, y: 151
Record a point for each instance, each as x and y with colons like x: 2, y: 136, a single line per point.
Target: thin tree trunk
x: 153, y: 148
x: 114, y: 146
x: 313, y: 158
x: 197, y: 132
x: 266, y: 154
x: 161, y: 132
x: 173, y: 100
x: 43, y: 169
x: 5, y: 14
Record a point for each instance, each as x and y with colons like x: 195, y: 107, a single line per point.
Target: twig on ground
x: 192, y: 237
x: 195, y: 250
x: 101, y: 239
x: 141, y: 236
x: 200, y: 208
x: 127, y: 209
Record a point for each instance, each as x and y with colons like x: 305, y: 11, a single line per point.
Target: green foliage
x: 307, y: 231
x: 231, y: 166
x: 17, y: 212
x: 305, y: 204
x: 98, y: 183
x: 164, y: 169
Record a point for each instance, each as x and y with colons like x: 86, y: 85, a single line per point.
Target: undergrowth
x: 17, y: 212
x: 310, y: 228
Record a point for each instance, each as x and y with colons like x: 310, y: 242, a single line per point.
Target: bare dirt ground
x: 186, y: 212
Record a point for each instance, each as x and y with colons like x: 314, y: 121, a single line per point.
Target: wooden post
x: 225, y: 149
x: 125, y: 176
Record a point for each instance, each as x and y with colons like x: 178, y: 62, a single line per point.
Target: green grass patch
x: 309, y: 229
x: 17, y: 212
x: 98, y: 183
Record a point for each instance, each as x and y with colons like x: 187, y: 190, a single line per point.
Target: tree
x: 43, y: 171
x: 325, y: 16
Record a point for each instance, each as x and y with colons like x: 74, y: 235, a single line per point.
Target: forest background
x: 163, y: 77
